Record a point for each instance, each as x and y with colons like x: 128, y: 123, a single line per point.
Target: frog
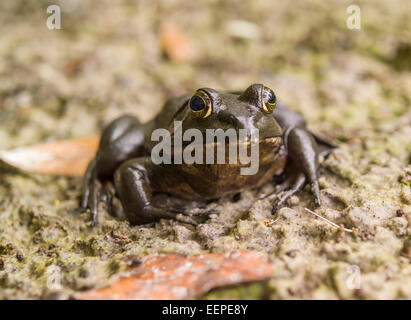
x: 289, y: 157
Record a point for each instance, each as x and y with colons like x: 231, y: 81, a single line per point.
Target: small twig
x: 328, y: 221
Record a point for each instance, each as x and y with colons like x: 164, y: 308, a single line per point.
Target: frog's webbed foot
x: 200, y: 213
x: 279, y: 188
x: 153, y: 213
x: 95, y: 192
x: 296, y: 186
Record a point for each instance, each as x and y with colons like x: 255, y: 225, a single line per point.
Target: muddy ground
x: 353, y: 86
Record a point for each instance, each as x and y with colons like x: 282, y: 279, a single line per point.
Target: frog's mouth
x: 271, y: 140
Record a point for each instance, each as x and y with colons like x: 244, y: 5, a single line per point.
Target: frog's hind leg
x: 133, y: 181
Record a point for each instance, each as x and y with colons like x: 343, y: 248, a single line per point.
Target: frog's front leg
x: 303, y: 152
x: 134, y: 185
x: 121, y: 140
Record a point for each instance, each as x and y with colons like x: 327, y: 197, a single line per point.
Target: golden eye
x: 269, y: 99
x: 201, y: 105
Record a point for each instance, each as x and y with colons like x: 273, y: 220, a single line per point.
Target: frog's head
x: 250, y: 110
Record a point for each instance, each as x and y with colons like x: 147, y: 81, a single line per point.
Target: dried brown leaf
x: 175, y: 276
x: 66, y: 157
x: 174, y: 42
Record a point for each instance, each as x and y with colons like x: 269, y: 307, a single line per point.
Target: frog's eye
x: 269, y: 99
x: 201, y: 105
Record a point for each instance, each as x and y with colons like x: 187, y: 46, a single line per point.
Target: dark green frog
x: 285, y: 149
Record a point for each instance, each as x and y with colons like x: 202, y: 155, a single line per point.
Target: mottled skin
x: 286, y: 149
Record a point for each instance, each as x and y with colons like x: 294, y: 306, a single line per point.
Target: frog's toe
x: 186, y: 219
x: 87, y: 180
x: 93, y: 201
x: 90, y: 191
x: 84, y: 203
x: 315, y: 189
x: 279, y: 188
x: 276, y: 206
x: 279, y: 203
x: 297, y: 186
x: 194, y: 211
x: 107, y: 196
x: 202, y: 211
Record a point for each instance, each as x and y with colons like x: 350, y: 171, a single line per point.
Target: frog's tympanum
x: 288, y: 155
